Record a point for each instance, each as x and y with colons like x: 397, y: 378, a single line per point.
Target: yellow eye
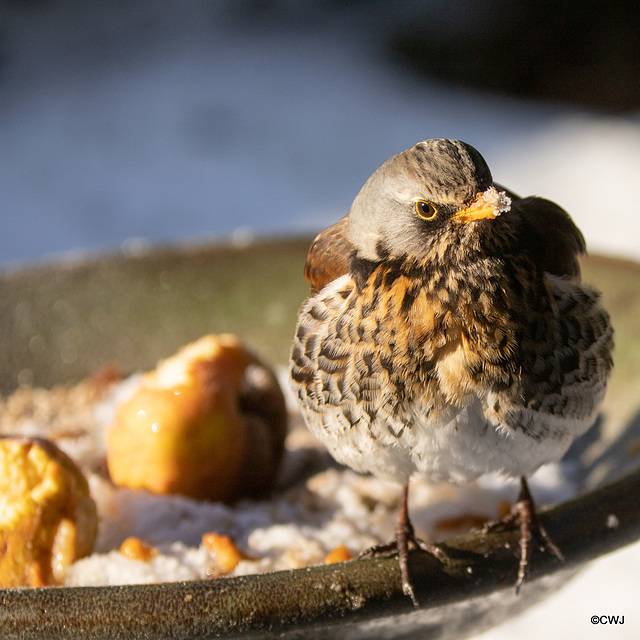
x: 426, y: 210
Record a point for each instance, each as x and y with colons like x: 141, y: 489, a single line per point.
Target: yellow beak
x: 487, y: 205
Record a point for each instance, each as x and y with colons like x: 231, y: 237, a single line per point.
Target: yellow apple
x: 208, y: 422
x: 47, y: 517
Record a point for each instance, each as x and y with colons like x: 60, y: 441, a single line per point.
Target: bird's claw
x: 524, y: 514
x: 380, y: 550
x: 391, y: 549
x: 400, y: 547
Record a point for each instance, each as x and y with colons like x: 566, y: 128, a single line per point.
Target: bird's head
x: 425, y: 195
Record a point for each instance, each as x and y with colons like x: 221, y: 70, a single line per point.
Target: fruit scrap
x: 135, y: 549
x: 208, y: 423
x: 47, y: 516
x: 227, y: 555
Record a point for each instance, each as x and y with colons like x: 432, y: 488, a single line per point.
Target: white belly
x: 458, y: 447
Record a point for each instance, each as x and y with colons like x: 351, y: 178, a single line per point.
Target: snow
x: 178, y: 121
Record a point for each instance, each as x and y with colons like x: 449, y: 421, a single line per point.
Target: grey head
x: 442, y: 176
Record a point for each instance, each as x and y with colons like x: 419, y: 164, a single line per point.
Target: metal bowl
x: 59, y: 322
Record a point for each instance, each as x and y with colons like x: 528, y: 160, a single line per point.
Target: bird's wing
x: 548, y: 234
x: 328, y: 257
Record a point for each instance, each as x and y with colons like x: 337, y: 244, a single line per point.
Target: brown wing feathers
x: 328, y: 256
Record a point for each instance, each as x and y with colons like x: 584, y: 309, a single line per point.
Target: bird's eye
x: 426, y: 210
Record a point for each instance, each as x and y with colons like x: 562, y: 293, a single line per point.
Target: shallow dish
x: 61, y: 321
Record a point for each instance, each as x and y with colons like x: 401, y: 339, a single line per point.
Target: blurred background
x: 134, y: 122
x: 158, y: 121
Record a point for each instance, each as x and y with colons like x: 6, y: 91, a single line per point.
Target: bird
x: 448, y: 334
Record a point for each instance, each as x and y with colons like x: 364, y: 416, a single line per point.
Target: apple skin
x: 208, y: 423
x: 48, y: 519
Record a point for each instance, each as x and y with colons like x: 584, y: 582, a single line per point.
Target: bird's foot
x: 524, y: 514
x: 404, y: 540
x: 393, y: 548
x: 400, y: 546
x: 524, y: 511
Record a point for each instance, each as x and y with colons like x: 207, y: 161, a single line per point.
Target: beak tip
x: 487, y: 205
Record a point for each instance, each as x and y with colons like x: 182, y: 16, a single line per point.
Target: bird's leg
x: 405, y: 536
x: 404, y: 533
x: 524, y: 511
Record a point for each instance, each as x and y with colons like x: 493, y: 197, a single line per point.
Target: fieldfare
x: 448, y: 333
